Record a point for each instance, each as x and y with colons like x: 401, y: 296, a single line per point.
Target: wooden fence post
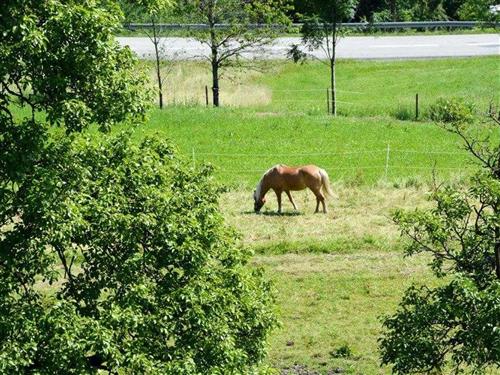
x: 387, y: 161
x: 327, y: 101
x: 416, y: 107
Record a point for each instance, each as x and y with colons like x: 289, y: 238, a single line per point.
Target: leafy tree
x: 455, y: 325
x: 478, y: 10
x: 113, y: 256
x: 61, y: 57
x: 148, y: 277
x: 322, y: 29
x: 155, y: 10
x: 233, y: 27
x: 404, y: 10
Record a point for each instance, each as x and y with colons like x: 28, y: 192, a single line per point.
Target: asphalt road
x: 383, y: 47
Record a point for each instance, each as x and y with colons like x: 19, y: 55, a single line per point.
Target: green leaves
x: 456, y: 318
x: 454, y: 110
x: 143, y: 256
x: 456, y: 325
x: 62, y: 58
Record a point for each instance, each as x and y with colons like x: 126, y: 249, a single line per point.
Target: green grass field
x: 330, y: 302
x: 365, y: 88
x: 242, y: 145
x: 335, y: 275
x: 285, y: 119
x: 386, y: 87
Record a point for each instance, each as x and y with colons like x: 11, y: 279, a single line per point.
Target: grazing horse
x: 282, y: 178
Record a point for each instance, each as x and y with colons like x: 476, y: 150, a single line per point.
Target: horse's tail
x: 325, y: 183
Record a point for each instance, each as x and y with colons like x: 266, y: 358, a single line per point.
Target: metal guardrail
x: 350, y: 25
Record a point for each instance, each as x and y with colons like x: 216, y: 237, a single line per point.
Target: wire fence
x: 392, y: 99
x: 388, y: 160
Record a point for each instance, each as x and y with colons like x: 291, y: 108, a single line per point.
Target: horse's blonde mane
x: 258, y: 189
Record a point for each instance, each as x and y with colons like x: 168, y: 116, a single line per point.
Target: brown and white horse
x: 282, y: 178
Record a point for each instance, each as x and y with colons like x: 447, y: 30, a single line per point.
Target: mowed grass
x: 334, y: 275
x: 330, y: 302
x: 357, y: 218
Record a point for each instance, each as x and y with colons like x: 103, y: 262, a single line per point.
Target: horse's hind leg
x: 320, y: 198
x: 291, y: 200
x: 324, y: 205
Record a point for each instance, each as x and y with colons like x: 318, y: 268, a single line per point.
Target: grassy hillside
x: 368, y: 88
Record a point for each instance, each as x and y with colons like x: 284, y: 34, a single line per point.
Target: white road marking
x: 484, y: 44
x: 404, y: 45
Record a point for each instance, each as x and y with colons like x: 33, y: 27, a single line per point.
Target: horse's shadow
x: 273, y: 213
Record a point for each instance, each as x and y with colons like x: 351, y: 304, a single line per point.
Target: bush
x: 403, y: 113
x: 454, y: 110
x: 119, y: 259
x: 455, y: 324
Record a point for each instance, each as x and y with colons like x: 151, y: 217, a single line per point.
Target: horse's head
x: 257, y: 202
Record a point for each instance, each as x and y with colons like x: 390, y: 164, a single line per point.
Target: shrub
x: 403, y: 113
x: 452, y: 110
x: 343, y: 351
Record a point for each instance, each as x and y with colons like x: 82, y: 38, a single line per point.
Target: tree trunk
x: 393, y: 10
x: 215, y: 83
x: 214, y: 59
x: 332, y: 71
x: 156, y: 41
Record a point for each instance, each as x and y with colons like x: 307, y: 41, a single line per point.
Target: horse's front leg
x: 278, y: 196
x: 291, y: 200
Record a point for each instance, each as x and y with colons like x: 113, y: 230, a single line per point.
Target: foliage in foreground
x: 456, y: 325
x: 113, y: 256
x: 149, y: 278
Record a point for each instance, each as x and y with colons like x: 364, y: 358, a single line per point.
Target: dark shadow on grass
x: 273, y: 213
